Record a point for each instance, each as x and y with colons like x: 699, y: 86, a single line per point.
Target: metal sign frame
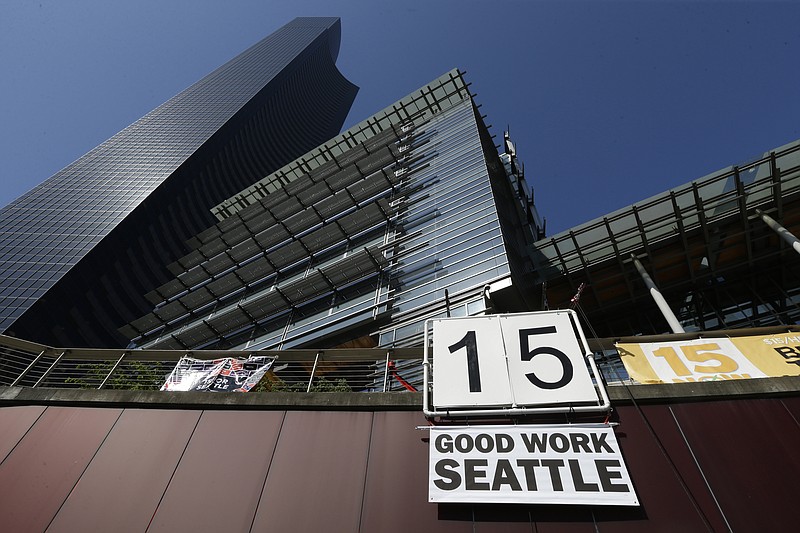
x: 602, y: 401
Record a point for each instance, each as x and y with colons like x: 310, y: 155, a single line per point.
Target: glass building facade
x: 78, y: 251
x: 409, y: 215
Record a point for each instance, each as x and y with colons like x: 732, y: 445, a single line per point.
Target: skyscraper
x: 408, y: 215
x: 79, y: 250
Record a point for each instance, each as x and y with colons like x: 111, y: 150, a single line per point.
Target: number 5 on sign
x: 503, y: 360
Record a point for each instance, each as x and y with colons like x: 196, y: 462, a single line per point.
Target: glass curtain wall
x: 365, y: 237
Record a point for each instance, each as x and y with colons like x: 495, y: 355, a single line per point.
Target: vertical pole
x: 112, y: 371
x: 47, y: 372
x: 670, y: 317
x: 28, y: 368
x: 386, y: 371
x: 426, y: 374
x: 784, y: 233
x: 313, y: 370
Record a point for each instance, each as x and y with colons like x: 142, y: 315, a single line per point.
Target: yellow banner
x: 713, y: 359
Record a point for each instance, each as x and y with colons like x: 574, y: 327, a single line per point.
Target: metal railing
x: 29, y: 364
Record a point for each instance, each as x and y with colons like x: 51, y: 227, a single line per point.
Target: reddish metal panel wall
x: 747, y: 451
x: 316, y: 480
x: 396, y: 495
x: 126, y: 478
x: 218, y: 482
x: 793, y: 406
x: 666, y: 480
x: 14, y: 423
x: 695, y: 466
x: 38, y: 475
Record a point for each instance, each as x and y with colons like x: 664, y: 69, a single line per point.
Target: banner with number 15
x: 712, y: 359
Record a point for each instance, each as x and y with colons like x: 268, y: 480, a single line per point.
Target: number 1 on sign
x: 473, y: 370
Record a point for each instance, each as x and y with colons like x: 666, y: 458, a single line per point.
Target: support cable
x: 662, y: 448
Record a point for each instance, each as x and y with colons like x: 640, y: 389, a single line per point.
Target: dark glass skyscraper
x: 78, y: 251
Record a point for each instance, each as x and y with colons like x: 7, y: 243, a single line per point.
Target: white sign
x: 554, y: 464
x: 510, y: 360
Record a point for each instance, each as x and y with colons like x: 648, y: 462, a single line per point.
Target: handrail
x: 31, y: 364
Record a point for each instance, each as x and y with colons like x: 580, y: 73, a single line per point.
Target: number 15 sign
x: 512, y: 361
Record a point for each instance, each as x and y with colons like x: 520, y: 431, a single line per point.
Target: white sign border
x: 604, y: 404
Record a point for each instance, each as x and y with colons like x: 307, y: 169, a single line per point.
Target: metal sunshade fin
x: 353, y: 154
x: 324, y: 170
x: 288, y: 255
x: 304, y: 289
x: 223, y: 227
x: 313, y: 193
x: 193, y: 242
x: 375, y: 161
x: 213, y: 248
x: 146, y: 323
x: 193, y: 276
x: 344, y: 178
x: 352, y: 267
x: 369, y: 187
x: 334, y: 204
x: 186, y: 262
x: 298, y: 184
x: 219, y: 263
x: 165, y: 291
x: 264, y: 305
x: 196, y: 335
x: 267, y: 202
x: 171, y: 288
x: 245, y: 250
x: 286, y: 209
x: 301, y: 221
x: 257, y: 270
x: 323, y: 238
x: 168, y: 343
x: 170, y: 311
x: 364, y: 218
x: 220, y: 227
x: 207, y: 235
x: 232, y: 320
x: 272, y: 236
x: 195, y: 299
x: 385, y: 206
x: 380, y: 139
x: 235, y: 235
x: 258, y: 224
x: 175, y: 268
x: 225, y: 285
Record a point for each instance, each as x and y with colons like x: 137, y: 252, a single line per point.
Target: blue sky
x: 608, y: 102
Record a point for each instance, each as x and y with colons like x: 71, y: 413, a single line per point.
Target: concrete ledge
x: 379, y: 401
x: 346, y: 401
x: 705, y: 390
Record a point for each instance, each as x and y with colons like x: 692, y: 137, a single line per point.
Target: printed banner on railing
x: 552, y: 464
x: 218, y: 375
x: 713, y: 359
